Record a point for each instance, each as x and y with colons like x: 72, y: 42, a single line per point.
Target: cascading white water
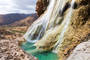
x: 66, y: 23
x: 55, y: 14
x: 37, y: 29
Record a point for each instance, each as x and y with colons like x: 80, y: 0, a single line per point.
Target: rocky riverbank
x: 10, y: 40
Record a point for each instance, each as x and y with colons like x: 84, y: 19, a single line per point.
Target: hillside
x: 24, y: 22
x: 9, y: 19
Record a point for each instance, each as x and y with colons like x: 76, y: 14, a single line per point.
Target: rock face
x: 41, y: 6
x: 81, y: 52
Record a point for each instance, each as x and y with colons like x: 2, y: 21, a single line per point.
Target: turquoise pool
x: 29, y: 48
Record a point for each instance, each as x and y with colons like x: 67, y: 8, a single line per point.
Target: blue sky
x: 17, y: 6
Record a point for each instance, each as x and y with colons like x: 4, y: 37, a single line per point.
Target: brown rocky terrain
x: 10, y: 41
x: 10, y: 50
x: 7, y: 32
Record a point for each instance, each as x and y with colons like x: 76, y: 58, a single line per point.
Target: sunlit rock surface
x: 81, y: 52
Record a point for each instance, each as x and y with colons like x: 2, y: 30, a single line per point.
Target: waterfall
x: 55, y: 14
x: 66, y: 23
x: 47, y: 21
x: 38, y: 28
x: 52, y: 34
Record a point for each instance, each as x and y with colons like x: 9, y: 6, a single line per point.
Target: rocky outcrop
x: 41, y: 6
x: 81, y: 52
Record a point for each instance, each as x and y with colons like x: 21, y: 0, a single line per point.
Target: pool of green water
x: 29, y: 48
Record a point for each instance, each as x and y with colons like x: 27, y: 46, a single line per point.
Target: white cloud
x: 17, y: 6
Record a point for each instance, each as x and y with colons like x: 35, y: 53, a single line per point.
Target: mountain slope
x: 24, y: 22
x: 9, y: 19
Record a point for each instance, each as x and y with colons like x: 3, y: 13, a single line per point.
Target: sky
x: 17, y: 6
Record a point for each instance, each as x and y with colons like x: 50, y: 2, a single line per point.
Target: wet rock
x: 67, y: 6
x: 75, y: 5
